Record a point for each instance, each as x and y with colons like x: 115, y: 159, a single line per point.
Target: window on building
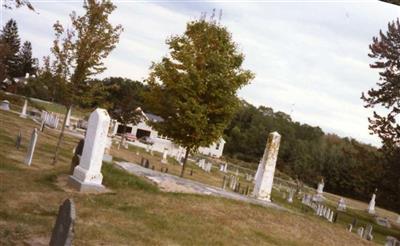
x: 217, y: 146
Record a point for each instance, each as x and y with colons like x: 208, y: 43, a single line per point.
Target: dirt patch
x: 172, y: 186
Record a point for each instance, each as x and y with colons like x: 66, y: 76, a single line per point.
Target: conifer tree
x: 194, y: 88
x: 10, y: 37
x: 386, y: 53
x: 27, y: 64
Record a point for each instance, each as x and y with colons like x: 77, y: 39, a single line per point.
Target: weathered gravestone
x: 18, y: 140
x: 290, y: 196
x: 368, y: 233
x: 5, y: 105
x: 165, y: 156
x: 31, y: 148
x: 392, y: 241
x: 371, y: 205
x: 63, y: 231
x: 24, y: 108
x: 360, y: 231
x: 341, y: 205
x: 77, y: 156
x: 383, y: 222
x: 87, y: 175
x: 266, y: 169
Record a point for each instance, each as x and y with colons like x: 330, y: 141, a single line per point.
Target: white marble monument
x: 31, y: 148
x: 87, y: 175
x: 24, y: 108
x: 371, y: 205
x: 68, y: 119
x: 341, y: 205
x: 165, y: 156
x: 266, y: 168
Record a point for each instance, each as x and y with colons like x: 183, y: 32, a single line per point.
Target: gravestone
x: 31, y: 148
x: 107, y: 157
x: 5, y: 105
x: 63, y: 231
x: 341, y: 205
x: 368, y: 233
x: 392, y: 241
x: 290, y: 196
x: 371, y: 205
x: 383, y: 222
x: 68, y: 119
x: 164, y: 157
x: 360, y: 231
x: 349, y: 227
x: 87, y: 175
x: 18, y: 140
x: 77, y: 156
x: 23, y: 112
x: 266, y: 169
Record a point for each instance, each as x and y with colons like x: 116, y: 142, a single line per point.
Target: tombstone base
x: 84, y: 187
x: 107, y: 157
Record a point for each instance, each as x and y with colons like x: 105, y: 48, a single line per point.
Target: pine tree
x: 385, y: 50
x: 11, y: 38
x: 27, y: 64
x: 194, y: 89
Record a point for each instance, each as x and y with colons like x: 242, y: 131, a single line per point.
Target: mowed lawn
x: 135, y: 212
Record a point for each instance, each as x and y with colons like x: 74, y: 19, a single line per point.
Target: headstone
x: 68, y: 119
x: 87, y: 175
x: 383, y: 222
x: 320, y: 191
x: 107, y: 157
x: 164, y: 157
x: 331, y: 216
x: 5, y: 105
x: 77, y: 156
x: 350, y: 227
x: 368, y: 233
x: 31, y: 148
x: 341, y: 205
x: 18, y: 140
x: 290, y: 196
x: 202, y: 163
x: 360, y: 231
x: 392, y: 241
x: 371, y: 205
x: 63, y: 231
x: 265, y: 179
x: 23, y: 112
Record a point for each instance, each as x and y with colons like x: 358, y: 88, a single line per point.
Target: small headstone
x: 290, y: 196
x: 63, y: 231
x: 341, y: 205
x: 360, y: 231
x: 383, y: 222
x: 368, y: 233
x: 31, y: 148
x: 24, y: 108
x: 5, y: 105
x: 164, y: 158
x: 392, y: 241
x: 18, y: 140
x: 371, y: 205
x: 349, y: 227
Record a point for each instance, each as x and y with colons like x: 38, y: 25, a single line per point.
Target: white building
x: 160, y: 143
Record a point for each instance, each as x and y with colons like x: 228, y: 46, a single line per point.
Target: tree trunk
x: 184, y: 162
x: 61, y: 136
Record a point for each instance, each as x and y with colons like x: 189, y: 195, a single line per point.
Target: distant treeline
x: 349, y: 168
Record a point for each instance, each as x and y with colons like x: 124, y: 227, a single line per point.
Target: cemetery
x: 127, y: 201
x: 200, y: 149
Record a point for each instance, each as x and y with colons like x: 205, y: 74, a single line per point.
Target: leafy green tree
x: 10, y: 37
x: 194, y: 88
x: 79, y: 52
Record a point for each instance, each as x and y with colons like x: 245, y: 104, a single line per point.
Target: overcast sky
x: 309, y: 57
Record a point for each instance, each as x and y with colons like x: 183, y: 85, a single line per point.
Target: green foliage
x: 27, y: 64
x: 10, y: 37
x: 350, y: 168
x: 194, y: 89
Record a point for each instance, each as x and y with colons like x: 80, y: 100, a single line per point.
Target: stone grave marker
x: 87, y: 175
x: 5, y: 105
x: 341, y: 205
x: 383, y: 222
x: 392, y: 241
x: 165, y: 156
x: 350, y: 227
x: 360, y: 231
x: 371, y: 205
x: 24, y: 108
x: 31, y: 147
x: 266, y: 169
x: 18, y: 140
x: 63, y: 231
x: 290, y: 196
x: 368, y: 233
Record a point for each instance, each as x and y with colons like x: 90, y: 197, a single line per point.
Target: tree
x: 386, y: 52
x: 79, y: 52
x: 10, y: 37
x: 194, y: 89
x: 9, y: 4
x: 126, y: 97
x: 27, y: 64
